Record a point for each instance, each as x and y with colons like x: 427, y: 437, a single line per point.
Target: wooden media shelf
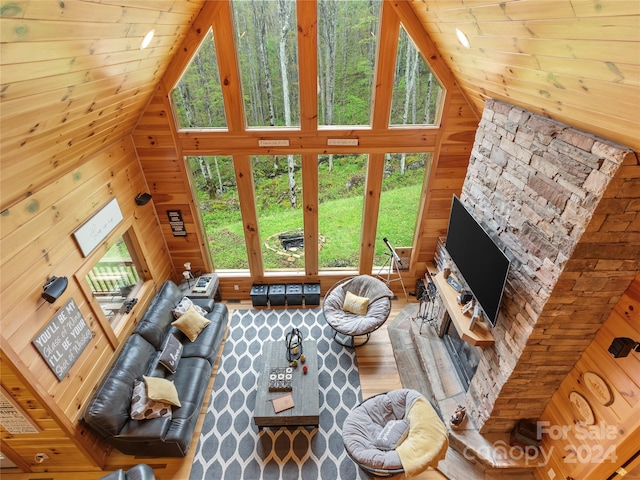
x: 480, y: 336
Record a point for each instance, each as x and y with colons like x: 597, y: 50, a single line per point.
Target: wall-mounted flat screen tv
x: 482, y: 264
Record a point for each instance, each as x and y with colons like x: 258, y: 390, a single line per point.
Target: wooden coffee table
x: 306, y: 392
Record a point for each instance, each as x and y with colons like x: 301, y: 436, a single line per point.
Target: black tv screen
x: 482, y: 264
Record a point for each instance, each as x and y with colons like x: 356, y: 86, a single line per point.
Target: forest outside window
x: 341, y: 182
x: 197, y: 98
x: 403, y: 185
x: 216, y: 193
x: 266, y: 48
x: 255, y: 219
x: 347, y: 43
x: 417, y: 94
x: 278, y: 194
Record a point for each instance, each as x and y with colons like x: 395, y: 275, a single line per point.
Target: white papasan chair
x: 347, y: 325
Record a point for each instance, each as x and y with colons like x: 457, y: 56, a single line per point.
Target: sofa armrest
x: 141, y: 471
x: 205, y: 303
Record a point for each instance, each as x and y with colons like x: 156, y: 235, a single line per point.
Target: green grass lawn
x: 340, y: 223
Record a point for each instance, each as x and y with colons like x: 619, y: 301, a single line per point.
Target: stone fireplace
x: 555, y: 198
x: 464, y: 357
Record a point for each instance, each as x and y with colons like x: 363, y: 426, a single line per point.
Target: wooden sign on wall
x: 63, y: 339
x: 12, y: 417
x: 92, y: 232
x: 176, y: 222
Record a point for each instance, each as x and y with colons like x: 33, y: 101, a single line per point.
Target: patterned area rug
x: 231, y: 447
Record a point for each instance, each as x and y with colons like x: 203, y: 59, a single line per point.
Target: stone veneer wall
x: 538, y: 186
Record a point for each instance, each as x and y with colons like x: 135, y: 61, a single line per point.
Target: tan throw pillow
x: 143, y: 408
x: 355, y: 304
x: 191, y: 323
x: 162, y: 390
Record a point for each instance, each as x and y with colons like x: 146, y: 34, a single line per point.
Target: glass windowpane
x: 278, y: 190
x: 347, y: 42
x: 417, y: 94
x: 197, y: 99
x: 341, y: 181
x: 267, y: 50
x: 114, y: 280
x: 402, y: 186
x: 216, y: 192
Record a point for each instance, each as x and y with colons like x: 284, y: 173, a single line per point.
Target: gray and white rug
x: 232, y: 448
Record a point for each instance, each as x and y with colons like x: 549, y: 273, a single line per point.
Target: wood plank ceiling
x: 73, y: 78
x: 576, y: 61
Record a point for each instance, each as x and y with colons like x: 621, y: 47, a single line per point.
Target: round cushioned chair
x: 395, y: 432
x: 346, y: 324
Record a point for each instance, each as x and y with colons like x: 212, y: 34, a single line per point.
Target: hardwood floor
x: 378, y: 373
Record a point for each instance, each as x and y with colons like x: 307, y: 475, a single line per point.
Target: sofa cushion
x: 110, y: 408
x: 209, y: 340
x: 392, y: 435
x: 171, y: 353
x: 155, y: 322
x: 191, y: 323
x: 144, y: 408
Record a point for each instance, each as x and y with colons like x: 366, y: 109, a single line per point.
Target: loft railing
x: 113, y: 276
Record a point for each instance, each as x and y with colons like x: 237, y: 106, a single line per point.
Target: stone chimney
x: 567, y: 211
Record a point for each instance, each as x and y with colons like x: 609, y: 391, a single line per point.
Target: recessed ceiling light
x: 147, y: 39
x: 462, y: 38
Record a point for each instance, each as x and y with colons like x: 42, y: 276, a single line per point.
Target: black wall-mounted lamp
x: 54, y: 287
x: 621, y: 346
x: 143, y: 198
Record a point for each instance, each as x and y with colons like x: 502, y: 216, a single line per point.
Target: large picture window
x: 324, y: 120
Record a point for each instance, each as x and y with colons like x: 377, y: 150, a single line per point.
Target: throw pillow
x: 171, y: 353
x: 184, y: 304
x: 355, y: 304
x: 392, y: 435
x: 162, y: 390
x: 143, y: 408
x: 191, y: 323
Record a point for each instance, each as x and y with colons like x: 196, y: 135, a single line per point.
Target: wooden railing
x: 112, y: 277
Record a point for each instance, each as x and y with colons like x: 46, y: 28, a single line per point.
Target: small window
x: 114, y: 281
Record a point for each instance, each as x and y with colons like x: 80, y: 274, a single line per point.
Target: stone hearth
x: 424, y: 365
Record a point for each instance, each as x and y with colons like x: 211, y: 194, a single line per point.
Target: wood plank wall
x: 575, y: 451
x: 36, y: 244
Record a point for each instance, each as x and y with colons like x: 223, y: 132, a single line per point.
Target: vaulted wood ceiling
x: 73, y: 78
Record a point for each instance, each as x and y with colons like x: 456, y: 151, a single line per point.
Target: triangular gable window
x: 417, y: 93
x: 197, y: 99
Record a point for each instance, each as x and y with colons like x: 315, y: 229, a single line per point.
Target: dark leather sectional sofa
x: 108, y: 412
